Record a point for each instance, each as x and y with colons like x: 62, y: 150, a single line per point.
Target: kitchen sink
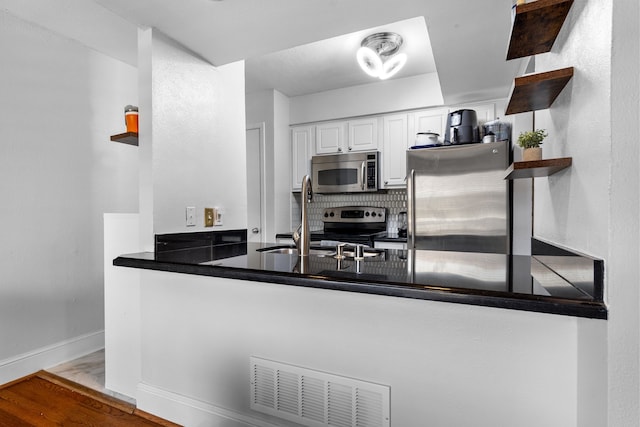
x: 322, y: 251
x: 292, y: 250
x: 287, y: 251
x: 367, y: 253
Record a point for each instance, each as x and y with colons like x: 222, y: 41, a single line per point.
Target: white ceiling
x: 302, y: 46
x: 331, y: 63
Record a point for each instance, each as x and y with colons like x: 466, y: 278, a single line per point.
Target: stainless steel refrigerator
x: 458, y: 199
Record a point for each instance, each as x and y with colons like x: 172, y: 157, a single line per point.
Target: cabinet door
x: 301, y: 143
x: 428, y: 121
x: 394, y: 155
x: 363, y: 134
x: 330, y: 138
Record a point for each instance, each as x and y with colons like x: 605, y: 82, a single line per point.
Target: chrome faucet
x: 302, y: 236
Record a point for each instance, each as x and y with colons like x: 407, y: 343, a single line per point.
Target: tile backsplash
x: 394, y: 200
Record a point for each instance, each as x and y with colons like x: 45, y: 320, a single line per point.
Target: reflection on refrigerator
x: 458, y: 199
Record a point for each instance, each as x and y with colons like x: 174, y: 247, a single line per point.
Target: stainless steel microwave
x: 345, y: 173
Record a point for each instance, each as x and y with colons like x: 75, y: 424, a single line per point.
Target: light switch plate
x: 191, y: 216
x: 217, y: 216
x: 208, y: 217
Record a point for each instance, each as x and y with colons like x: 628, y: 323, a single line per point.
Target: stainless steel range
x: 353, y: 224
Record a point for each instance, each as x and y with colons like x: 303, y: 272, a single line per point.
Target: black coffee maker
x: 462, y: 128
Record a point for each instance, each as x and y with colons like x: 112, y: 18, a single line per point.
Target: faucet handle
x: 309, y: 188
x: 339, y: 250
x: 296, y: 234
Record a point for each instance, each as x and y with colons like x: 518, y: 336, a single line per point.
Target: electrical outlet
x: 217, y: 216
x: 191, y: 216
x: 208, y: 217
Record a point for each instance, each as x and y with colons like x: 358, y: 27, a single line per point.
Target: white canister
x: 489, y: 138
x: 426, y: 138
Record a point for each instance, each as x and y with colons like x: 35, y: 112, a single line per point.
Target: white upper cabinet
x: 330, y: 138
x: 347, y: 136
x: 301, y: 146
x: 395, y: 142
x: 399, y: 134
x: 363, y: 134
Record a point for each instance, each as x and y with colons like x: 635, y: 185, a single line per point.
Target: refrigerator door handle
x: 363, y: 174
x: 410, y: 212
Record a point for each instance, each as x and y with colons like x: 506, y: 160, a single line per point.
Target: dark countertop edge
x: 522, y: 302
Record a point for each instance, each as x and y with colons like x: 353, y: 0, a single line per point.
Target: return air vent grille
x: 316, y: 399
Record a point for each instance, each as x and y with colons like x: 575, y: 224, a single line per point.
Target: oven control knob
x: 373, y: 214
x: 367, y: 214
x: 326, y: 215
x: 332, y: 214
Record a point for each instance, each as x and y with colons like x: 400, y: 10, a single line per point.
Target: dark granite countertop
x: 553, y: 281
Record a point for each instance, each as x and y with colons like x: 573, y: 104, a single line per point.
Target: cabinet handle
x: 349, y: 148
x: 339, y: 149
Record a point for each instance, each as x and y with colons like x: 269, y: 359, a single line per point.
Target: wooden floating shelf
x: 536, y: 26
x: 537, y: 91
x: 130, y: 138
x: 537, y: 168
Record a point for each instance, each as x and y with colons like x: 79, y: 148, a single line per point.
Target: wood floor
x: 44, y: 399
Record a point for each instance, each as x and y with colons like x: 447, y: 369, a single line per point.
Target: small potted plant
x: 530, y: 142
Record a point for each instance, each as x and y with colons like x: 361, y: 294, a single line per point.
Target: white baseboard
x: 51, y: 355
x: 191, y: 412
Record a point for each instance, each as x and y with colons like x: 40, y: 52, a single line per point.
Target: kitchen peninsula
x: 432, y: 326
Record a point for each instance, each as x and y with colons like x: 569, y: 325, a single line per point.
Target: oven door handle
x: 363, y: 174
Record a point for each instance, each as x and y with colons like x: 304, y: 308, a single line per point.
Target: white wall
x: 594, y: 206
x: 282, y: 162
x: 145, y: 152
x: 446, y: 364
x: 579, y: 126
x: 272, y: 108
x: 121, y: 305
x: 197, y: 140
x: 390, y: 95
x: 58, y: 173
x: 623, y: 275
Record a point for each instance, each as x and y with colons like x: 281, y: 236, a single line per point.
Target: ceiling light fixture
x: 376, y: 55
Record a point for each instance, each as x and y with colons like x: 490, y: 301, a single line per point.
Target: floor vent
x: 316, y: 399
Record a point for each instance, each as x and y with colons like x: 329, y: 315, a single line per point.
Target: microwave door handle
x: 363, y: 174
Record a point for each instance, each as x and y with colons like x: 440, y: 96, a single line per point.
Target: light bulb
x: 369, y: 61
x: 392, y: 66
